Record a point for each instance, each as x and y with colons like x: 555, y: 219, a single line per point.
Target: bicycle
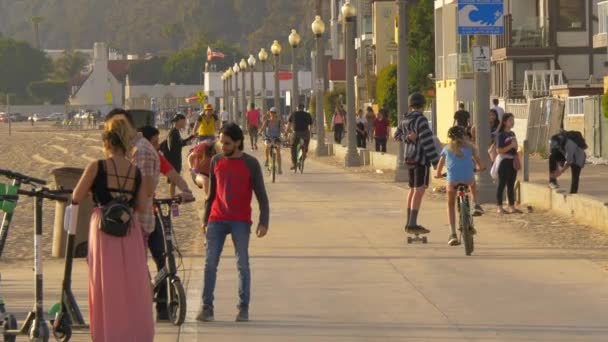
x: 300, y: 156
x: 34, y: 325
x: 465, y: 224
x: 176, y: 295
x: 275, y: 144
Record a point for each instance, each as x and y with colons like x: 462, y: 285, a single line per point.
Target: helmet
x: 416, y: 100
x: 208, y: 107
x: 456, y: 133
x: 273, y: 110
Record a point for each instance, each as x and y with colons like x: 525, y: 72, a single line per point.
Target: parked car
x: 18, y: 117
x: 34, y: 117
x: 56, y: 117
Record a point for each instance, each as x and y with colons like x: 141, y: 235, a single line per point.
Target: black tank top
x: 102, y: 194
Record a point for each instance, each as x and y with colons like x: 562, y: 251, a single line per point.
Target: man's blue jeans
x: 216, y: 236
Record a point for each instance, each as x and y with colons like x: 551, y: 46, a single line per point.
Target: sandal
x: 516, y: 211
x: 501, y: 211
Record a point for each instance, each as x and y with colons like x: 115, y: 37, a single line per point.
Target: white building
x: 214, y: 85
x: 166, y: 96
x: 101, y: 90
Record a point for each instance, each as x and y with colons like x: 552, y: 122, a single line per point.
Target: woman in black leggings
x: 506, y: 147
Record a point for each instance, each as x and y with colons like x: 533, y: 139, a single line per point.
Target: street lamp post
x: 349, y: 13
x: 251, y: 61
x: 275, y: 49
x: 243, y: 66
x: 401, y: 174
x: 236, y: 69
x: 318, y: 28
x: 229, y: 97
x: 263, y: 56
x: 294, y: 41
x: 224, y: 91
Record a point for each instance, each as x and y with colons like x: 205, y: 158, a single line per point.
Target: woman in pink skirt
x: 120, y: 296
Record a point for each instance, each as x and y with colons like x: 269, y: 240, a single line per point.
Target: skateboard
x: 418, y: 237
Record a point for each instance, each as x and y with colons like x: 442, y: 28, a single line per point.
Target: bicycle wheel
x: 465, y: 226
x: 274, y: 165
x: 298, y: 157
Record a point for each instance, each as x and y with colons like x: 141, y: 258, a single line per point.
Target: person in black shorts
x: 300, y: 122
x: 420, y: 153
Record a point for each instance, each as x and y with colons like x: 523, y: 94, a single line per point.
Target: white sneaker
x: 453, y: 240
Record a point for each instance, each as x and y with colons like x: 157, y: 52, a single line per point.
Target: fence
x: 545, y: 118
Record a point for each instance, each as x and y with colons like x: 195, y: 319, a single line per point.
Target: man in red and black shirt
x: 233, y: 178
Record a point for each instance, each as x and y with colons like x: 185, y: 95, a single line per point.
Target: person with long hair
x: 461, y: 158
x: 508, y: 163
x: 338, y: 122
x: 119, y: 282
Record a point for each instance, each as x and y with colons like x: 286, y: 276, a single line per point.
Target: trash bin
x: 67, y: 177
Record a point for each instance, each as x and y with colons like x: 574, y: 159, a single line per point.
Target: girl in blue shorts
x: 461, y: 159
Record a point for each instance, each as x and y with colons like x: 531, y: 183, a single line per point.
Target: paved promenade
x: 335, y: 267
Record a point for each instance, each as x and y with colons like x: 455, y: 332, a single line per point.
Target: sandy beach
x: 37, y: 151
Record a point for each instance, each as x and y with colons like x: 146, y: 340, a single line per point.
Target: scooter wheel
x: 177, y: 303
x: 10, y: 323
x: 62, y: 329
x: 64, y: 334
x: 409, y: 239
x: 424, y: 239
x: 43, y: 333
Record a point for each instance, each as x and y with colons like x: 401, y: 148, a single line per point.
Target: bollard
x: 67, y: 178
x: 526, y: 162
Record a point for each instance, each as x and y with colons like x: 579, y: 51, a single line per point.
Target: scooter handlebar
x: 21, y: 177
x: 53, y: 195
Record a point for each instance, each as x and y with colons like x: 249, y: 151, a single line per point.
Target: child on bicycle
x: 272, y: 127
x: 461, y: 159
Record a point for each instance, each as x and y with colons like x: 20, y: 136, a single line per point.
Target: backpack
x: 577, y: 138
x: 116, y: 215
x: 408, y: 125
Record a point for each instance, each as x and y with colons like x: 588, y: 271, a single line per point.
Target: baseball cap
x: 273, y: 110
x: 208, y: 107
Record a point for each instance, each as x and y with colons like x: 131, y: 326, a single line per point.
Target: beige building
x: 384, y: 13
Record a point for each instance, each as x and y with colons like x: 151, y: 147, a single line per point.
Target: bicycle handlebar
x: 21, y: 177
x: 175, y: 200
x: 9, y: 197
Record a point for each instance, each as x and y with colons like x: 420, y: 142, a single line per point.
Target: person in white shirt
x: 499, y: 110
x: 224, y: 116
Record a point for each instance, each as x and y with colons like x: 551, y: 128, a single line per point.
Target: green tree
x: 69, y: 65
x: 20, y: 64
x: 53, y: 92
x: 386, y: 91
x: 421, y: 40
x: 147, y: 71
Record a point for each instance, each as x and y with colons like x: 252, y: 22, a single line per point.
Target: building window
x: 572, y: 15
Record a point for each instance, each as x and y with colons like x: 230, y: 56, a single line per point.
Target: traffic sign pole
x: 482, y: 124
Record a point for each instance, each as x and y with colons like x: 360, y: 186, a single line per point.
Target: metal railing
x: 602, y: 14
x: 523, y: 32
x: 459, y: 66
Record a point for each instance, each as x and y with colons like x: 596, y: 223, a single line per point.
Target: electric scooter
x: 18, y: 180
x: 34, y: 325
x: 176, y: 295
x: 68, y: 315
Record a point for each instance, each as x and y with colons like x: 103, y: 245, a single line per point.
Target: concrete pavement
x: 335, y: 267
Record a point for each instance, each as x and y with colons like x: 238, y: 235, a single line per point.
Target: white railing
x: 575, y: 106
x: 602, y: 14
x: 537, y: 83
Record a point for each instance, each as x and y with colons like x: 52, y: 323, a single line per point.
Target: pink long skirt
x: 120, y: 296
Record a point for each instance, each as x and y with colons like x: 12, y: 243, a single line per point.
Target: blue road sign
x: 481, y: 17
